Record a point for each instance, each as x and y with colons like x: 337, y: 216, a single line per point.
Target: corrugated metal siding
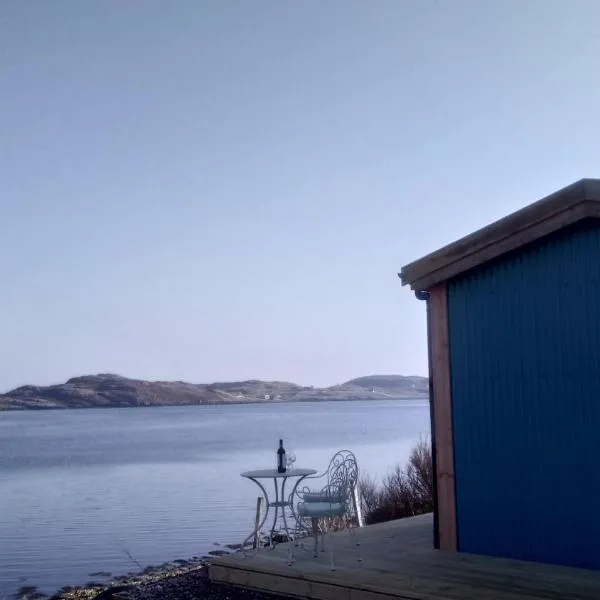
x: 525, y: 360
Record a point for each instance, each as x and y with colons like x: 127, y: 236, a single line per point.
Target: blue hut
x: 514, y: 341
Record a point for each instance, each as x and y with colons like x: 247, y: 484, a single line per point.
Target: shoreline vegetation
x: 404, y: 492
x: 115, y: 391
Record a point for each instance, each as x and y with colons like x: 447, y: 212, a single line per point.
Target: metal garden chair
x: 331, y: 504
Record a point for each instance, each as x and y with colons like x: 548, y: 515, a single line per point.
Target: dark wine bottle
x: 281, y: 457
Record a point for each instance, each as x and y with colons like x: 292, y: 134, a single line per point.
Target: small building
x: 514, y: 352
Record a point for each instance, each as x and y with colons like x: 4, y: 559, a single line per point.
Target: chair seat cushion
x: 322, y: 497
x: 318, y: 510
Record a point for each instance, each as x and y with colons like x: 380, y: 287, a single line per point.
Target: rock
x: 29, y: 592
x: 112, y: 592
x: 65, y: 589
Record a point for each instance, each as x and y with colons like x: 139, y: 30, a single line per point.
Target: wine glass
x: 291, y: 459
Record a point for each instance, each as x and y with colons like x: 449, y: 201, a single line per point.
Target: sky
x: 224, y: 190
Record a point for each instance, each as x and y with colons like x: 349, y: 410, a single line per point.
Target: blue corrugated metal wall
x: 525, y: 360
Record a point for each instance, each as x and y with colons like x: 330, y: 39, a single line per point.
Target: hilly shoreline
x: 114, y: 391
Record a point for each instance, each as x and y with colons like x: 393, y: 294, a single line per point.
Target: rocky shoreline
x: 189, y: 582
x: 181, y: 579
x: 131, y: 584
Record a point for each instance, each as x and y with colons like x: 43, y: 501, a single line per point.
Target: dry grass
x: 405, y: 492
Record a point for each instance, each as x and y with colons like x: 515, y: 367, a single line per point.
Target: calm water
x: 80, y: 489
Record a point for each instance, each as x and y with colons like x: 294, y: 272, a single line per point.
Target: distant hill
x: 108, y: 390
x: 392, y: 384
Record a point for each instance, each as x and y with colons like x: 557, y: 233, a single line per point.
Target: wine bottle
x: 281, y: 458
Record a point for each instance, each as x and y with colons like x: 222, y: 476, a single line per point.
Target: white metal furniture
x: 337, y: 498
x: 281, y: 501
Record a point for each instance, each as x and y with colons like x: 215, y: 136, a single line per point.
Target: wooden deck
x: 399, y: 562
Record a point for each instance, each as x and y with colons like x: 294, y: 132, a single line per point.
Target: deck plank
x: 399, y: 563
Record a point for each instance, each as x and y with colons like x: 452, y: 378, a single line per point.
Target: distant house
x: 514, y: 340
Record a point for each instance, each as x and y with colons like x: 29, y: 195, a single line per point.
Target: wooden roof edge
x: 499, y: 233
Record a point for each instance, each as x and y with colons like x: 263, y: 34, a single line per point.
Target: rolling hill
x: 108, y: 390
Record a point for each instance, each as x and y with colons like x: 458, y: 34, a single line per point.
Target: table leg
x: 276, y: 510
x: 280, y: 501
x: 285, y: 525
x: 292, y: 495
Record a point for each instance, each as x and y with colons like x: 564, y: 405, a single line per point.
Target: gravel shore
x: 192, y: 584
x: 181, y: 579
x: 178, y: 580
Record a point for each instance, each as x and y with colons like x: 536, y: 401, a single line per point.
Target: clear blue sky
x: 214, y: 190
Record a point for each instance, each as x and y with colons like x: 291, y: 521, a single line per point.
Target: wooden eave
x: 580, y: 200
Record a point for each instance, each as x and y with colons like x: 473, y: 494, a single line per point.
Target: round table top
x: 274, y: 473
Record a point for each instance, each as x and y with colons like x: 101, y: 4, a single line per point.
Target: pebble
x: 194, y: 585
x: 173, y: 581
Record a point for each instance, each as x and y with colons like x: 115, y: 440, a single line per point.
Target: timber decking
x: 399, y: 562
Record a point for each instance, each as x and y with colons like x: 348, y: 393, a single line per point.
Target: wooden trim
x: 573, y: 203
x: 436, y: 523
x: 519, y: 239
x: 444, y: 436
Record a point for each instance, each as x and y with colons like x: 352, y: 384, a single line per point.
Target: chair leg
x: 356, y: 543
x: 331, y: 556
x: 315, y: 528
x: 323, y: 529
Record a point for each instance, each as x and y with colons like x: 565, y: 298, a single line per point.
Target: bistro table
x: 281, y: 501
